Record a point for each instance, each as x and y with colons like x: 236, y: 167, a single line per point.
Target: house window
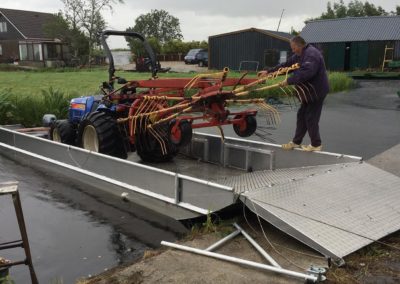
x: 52, y: 51
x: 23, y: 52
x: 3, y: 27
x: 30, y: 51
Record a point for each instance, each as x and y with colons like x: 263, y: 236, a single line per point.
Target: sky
x: 203, y: 18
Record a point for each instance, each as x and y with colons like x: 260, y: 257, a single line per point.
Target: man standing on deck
x: 312, y: 86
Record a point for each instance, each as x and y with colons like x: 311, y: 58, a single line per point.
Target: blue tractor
x: 92, y: 120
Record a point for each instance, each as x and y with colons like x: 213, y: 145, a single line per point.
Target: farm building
x: 355, y: 43
x: 22, y: 39
x: 250, y: 49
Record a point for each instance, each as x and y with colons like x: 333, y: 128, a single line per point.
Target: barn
x: 355, y: 43
x: 249, y: 49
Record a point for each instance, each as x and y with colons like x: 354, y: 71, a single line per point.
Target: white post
x: 222, y: 241
x: 242, y: 261
x: 257, y: 247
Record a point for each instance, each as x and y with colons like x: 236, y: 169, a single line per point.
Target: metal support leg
x: 24, y: 235
x: 11, y: 188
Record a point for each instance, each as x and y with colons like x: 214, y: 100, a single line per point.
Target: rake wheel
x: 247, y: 127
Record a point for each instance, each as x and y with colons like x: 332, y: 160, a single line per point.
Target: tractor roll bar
x: 150, y: 52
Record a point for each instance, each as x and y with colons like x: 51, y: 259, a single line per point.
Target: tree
x: 330, y: 14
x: 86, y: 15
x: 340, y: 9
x: 61, y: 28
x: 355, y: 8
x: 158, y: 24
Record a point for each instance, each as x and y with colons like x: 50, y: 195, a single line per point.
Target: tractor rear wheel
x: 99, y: 132
x: 181, y: 135
x: 247, y: 127
x: 155, y: 149
x: 63, y: 131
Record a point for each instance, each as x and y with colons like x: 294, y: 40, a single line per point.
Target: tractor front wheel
x: 99, y: 132
x: 63, y: 131
x: 246, y: 127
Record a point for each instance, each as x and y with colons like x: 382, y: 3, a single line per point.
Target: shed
x: 355, y: 43
x: 22, y: 39
x: 249, y: 49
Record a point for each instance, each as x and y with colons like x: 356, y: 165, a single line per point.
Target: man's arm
x: 308, y: 69
x: 290, y: 61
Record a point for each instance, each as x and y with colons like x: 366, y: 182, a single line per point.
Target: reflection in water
x: 72, y: 232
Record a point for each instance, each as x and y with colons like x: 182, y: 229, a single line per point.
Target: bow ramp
x: 335, y: 209
x: 333, y: 203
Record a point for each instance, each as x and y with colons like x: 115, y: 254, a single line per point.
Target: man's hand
x: 262, y: 73
x: 284, y: 83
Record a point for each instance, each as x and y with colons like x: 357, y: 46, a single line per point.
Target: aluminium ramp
x: 335, y: 209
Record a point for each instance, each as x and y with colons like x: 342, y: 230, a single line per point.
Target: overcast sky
x: 202, y: 18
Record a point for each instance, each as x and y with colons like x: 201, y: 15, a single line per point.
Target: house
x: 249, y: 49
x: 355, y: 43
x: 23, y: 40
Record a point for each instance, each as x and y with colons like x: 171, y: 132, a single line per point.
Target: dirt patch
x: 376, y: 263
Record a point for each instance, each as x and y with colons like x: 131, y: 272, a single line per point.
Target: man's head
x: 297, y: 44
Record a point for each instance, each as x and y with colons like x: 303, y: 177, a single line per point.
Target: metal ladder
x: 12, y: 188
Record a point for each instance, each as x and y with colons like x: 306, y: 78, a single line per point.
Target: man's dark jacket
x: 312, y: 71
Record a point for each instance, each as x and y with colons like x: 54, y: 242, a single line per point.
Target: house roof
x: 28, y: 23
x: 353, y: 29
x: 278, y: 35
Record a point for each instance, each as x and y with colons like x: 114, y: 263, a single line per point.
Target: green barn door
x: 359, y: 55
x: 336, y: 56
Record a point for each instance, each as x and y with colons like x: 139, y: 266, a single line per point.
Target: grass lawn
x: 79, y: 83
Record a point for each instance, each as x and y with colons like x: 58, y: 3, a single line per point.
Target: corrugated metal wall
x: 230, y: 49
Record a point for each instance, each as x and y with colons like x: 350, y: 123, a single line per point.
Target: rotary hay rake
x: 163, y: 112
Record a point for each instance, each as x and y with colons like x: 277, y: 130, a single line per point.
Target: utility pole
x: 283, y: 10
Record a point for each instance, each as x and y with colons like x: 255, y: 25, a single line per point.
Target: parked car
x: 202, y: 58
x: 190, y: 57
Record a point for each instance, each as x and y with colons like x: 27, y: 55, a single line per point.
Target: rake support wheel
x: 180, y: 134
x: 247, y: 127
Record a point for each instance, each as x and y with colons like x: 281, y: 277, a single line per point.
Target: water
x: 71, y: 233
x: 121, y: 57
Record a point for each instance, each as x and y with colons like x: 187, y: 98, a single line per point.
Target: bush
x: 339, y: 82
x: 29, y: 110
x: 7, y: 108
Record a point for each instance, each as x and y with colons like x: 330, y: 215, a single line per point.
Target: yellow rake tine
x: 301, y: 89
x: 159, y: 140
